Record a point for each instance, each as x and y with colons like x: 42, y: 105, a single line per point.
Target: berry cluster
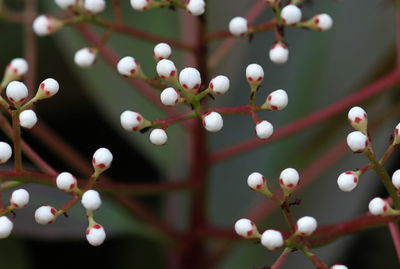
x: 286, y: 15
x: 274, y: 239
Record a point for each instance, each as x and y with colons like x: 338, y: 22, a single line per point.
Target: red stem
x: 379, y: 86
x: 279, y: 262
x: 395, y: 234
x: 117, y: 11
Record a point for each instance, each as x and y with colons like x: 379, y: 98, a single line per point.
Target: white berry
x: 16, y: 92
x: 219, y: 84
x: 6, y: 227
x: 162, y: 51
x: 396, y: 179
x: 102, y: 159
x: 338, y: 266
x: 323, y: 22
x: 158, y: 137
x: 306, y: 226
x: 357, y: 141
x: 254, y: 74
x: 196, y: 7
x: 91, y: 200
x: 95, y: 235
x: 397, y: 134
x: 358, y: 118
x: 190, y: 78
x: 85, y: 57
x: 131, y: 120
x: 45, y: 25
x: 5, y: 152
x: 347, y: 181
x: 272, y: 239
x: 45, y: 214
x: 291, y: 14
x: 27, y: 119
x: 264, y: 129
x: 49, y: 87
x: 213, y: 122
x: 238, y: 26
x: 66, y: 181
x: 256, y: 181
x: 166, y: 69
x: 19, y: 198
x: 378, y: 206
x: 289, y: 178
x: 19, y: 66
x: 279, y: 53
x: 169, y: 97
x: 128, y: 66
x: 277, y: 100
x: 246, y: 228
x: 94, y: 6
x: 140, y: 5
x: 66, y: 4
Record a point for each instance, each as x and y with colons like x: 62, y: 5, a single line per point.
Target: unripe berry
x: 306, y: 226
x: 256, y: 181
x: 276, y: 100
x: 162, y: 51
x: 378, y: 206
x: 291, y: 14
x: 85, y: 57
x: 6, y: 227
x: 16, y: 92
x: 91, y: 200
x: 46, y: 25
x: 264, y: 129
x: 322, y: 22
x: 19, y: 198
x: 66, y: 4
x: 18, y: 66
x: 246, y: 229
x: 196, y: 7
x: 95, y: 235
x: 396, y: 139
x: 279, y: 53
x: 254, y: 74
x: 27, y: 119
x: 5, y: 152
x: 238, y: 26
x: 213, y: 121
x: 347, y: 181
x: 288, y: 179
x: 45, y: 214
x: 396, y: 179
x: 339, y: 266
x: 272, y: 239
x: 158, y: 137
x: 169, y: 97
x: 102, y: 159
x: 48, y: 88
x: 190, y: 79
x: 94, y: 6
x: 132, y: 121
x: 357, y: 141
x: 66, y: 181
x: 358, y: 119
x: 166, y: 69
x: 140, y: 5
x: 128, y: 66
x: 219, y: 84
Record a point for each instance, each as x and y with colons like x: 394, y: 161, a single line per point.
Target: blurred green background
x: 323, y: 68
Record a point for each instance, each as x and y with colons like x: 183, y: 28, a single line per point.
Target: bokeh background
x: 323, y: 68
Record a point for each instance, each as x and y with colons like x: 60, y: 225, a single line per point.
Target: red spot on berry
x: 316, y: 20
x: 14, y: 70
x: 211, y: 86
x: 349, y: 173
x: 42, y: 85
x: 50, y: 28
x: 250, y: 233
x: 274, y: 107
x: 357, y: 120
x: 53, y: 211
x: 93, y: 160
x: 172, y: 73
x: 269, y: 98
x: 88, y: 231
x: 185, y: 86
x: 290, y: 185
x: 281, y: 181
x: 91, y: 50
x: 101, y: 165
x: 22, y: 100
x: 250, y: 79
x: 72, y: 186
x: 196, y: 86
x: 138, y: 118
x: 50, y: 222
x: 365, y: 115
x: 47, y: 92
x: 133, y: 71
x: 396, y: 131
x: 163, y: 77
x: 385, y: 208
x: 14, y: 205
x: 97, y: 226
x: 260, y: 78
x: 366, y: 143
x: 259, y: 186
x: 355, y: 179
x: 11, y: 99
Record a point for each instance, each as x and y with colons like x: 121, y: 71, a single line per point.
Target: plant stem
x: 288, y: 215
x: 282, y: 258
x: 384, y: 176
x: 17, y: 141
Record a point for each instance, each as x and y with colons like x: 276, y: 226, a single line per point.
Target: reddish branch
x: 395, y: 234
x: 379, y: 86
